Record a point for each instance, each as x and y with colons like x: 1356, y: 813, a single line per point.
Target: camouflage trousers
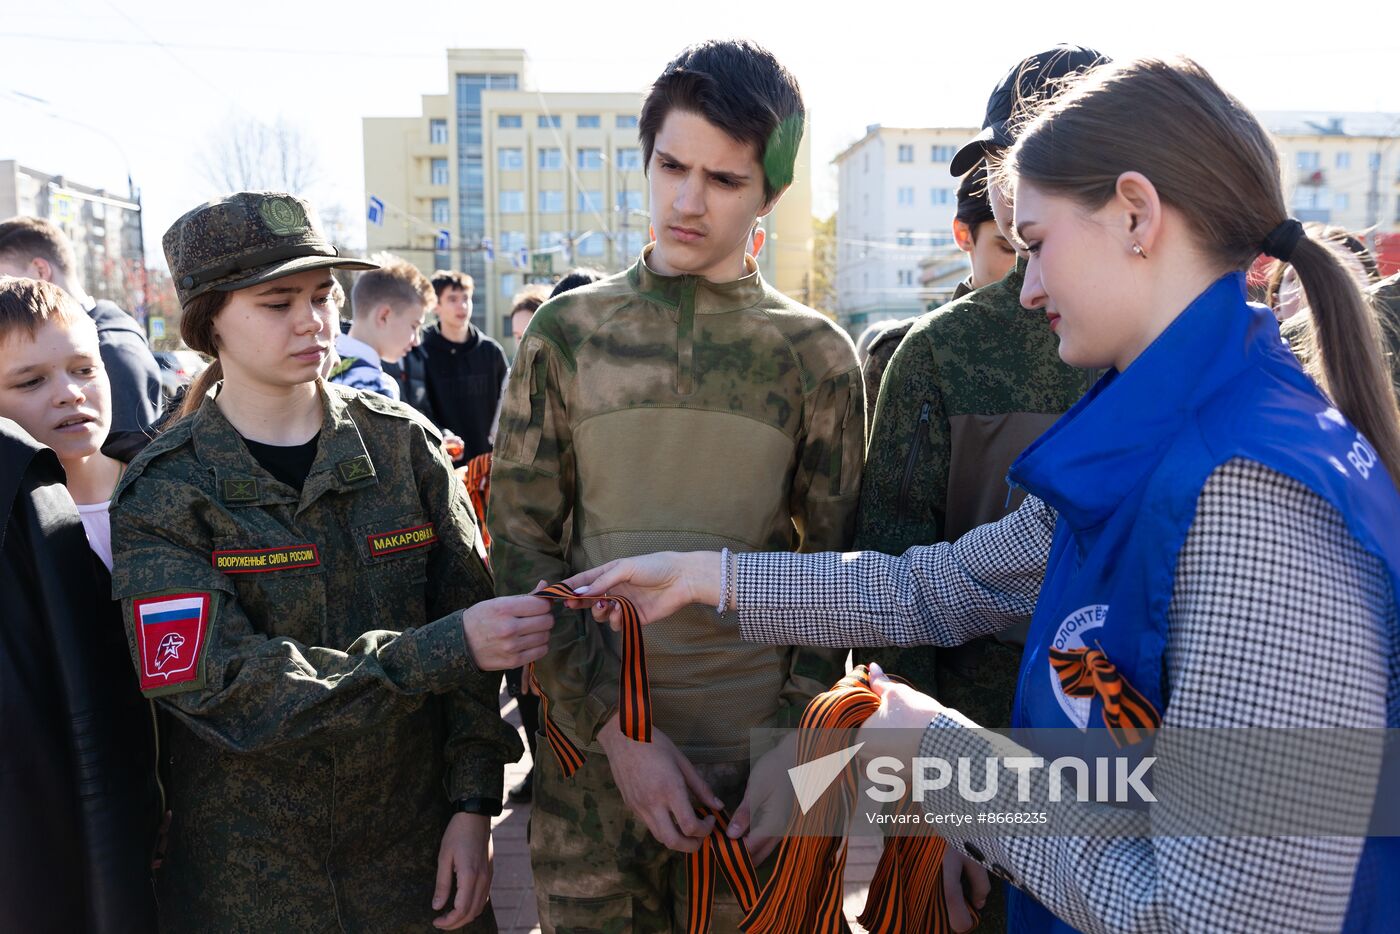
x: 597, y: 868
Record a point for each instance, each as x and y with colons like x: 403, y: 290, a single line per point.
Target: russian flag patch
x: 170, y: 635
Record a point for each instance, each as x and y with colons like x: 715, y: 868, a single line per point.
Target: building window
x: 512, y: 242
x: 906, y: 152
x: 551, y: 201
x: 937, y: 196
x: 549, y: 239
x: 510, y: 159
x: 941, y: 153
x: 629, y: 159
x: 1309, y: 161
x: 626, y: 122
x: 589, y: 121
x: 509, y: 122
x: 1373, y: 161
x: 439, y: 172
x: 1343, y: 160
x: 632, y: 243
x: 442, y: 210
x: 906, y: 196
x: 865, y: 162
x: 629, y: 200
x: 551, y: 158
x: 592, y: 244
x: 1343, y: 201
x: 512, y: 202
x: 906, y: 277
x: 548, y: 122
x: 1397, y: 209
x: 590, y: 158
x: 905, y: 238
x: 508, y: 286
x: 590, y: 202
x: 437, y: 131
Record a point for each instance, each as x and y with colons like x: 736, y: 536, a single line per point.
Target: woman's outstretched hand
x: 658, y: 585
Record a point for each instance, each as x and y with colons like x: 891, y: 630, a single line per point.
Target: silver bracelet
x: 723, y: 606
x: 732, y: 566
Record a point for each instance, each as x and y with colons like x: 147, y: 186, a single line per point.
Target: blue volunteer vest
x: 1124, y: 468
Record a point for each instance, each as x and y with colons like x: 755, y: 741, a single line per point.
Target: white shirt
x: 98, y: 525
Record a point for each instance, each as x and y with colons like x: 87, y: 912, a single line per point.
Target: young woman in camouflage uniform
x: 293, y: 559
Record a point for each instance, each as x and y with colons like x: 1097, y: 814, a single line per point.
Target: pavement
x: 512, y: 887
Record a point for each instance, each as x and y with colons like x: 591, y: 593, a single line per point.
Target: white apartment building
x: 1340, y: 168
x: 896, y: 203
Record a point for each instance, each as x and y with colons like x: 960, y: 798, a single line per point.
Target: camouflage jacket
x: 970, y: 386
x: 647, y: 413
x: 882, y: 350
x: 310, y: 646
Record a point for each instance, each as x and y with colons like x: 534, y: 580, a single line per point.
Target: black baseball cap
x: 1030, y: 76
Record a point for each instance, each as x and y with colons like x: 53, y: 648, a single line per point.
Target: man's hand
x: 955, y: 868
x: 508, y: 632
x: 658, y: 585
x: 464, y: 859
x: 657, y: 783
x: 767, y: 780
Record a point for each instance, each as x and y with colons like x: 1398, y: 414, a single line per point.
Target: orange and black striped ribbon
x: 476, y: 475
x: 805, y: 891
x: 731, y: 859
x: 634, y: 694
x: 718, y: 853
x: 1129, y: 716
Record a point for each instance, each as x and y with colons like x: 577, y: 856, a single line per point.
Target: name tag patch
x: 386, y: 543
x: 258, y: 560
x: 170, y: 634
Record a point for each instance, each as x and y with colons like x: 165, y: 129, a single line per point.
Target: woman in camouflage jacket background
x: 292, y: 559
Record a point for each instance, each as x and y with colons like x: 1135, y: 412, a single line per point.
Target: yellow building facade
x: 514, y: 185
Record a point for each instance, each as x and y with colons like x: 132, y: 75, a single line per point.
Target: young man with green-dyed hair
x: 682, y: 404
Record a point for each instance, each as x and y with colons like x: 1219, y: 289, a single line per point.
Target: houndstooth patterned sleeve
x: 1278, y: 619
x: 942, y: 594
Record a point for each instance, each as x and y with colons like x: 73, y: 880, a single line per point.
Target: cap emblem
x: 283, y: 216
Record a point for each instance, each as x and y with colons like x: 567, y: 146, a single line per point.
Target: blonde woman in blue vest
x: 1212, y: 542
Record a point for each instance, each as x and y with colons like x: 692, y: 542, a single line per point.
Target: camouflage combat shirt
x: 649, y: 413
x: 969, y: 387
x: 310, y: 646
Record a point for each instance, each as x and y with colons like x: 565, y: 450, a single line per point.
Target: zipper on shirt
x: 685, y: 340
x: 915, y: 447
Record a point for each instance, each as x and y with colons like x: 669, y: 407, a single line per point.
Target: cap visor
x: 973, y: 150
x: 291, y: 267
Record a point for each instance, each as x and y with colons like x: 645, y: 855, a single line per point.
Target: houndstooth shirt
x: 1276, y: 607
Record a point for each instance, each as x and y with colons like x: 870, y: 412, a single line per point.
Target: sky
x: 94, y: 89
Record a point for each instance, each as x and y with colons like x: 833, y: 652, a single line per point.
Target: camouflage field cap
x: 245, y: 239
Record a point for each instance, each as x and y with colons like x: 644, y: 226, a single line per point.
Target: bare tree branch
x: 248, y: 154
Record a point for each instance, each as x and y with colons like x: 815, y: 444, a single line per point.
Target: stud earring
x: 1137, y: 248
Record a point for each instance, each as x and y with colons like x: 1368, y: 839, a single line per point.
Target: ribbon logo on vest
x: 170, y: 632
x: 1068, y: 637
